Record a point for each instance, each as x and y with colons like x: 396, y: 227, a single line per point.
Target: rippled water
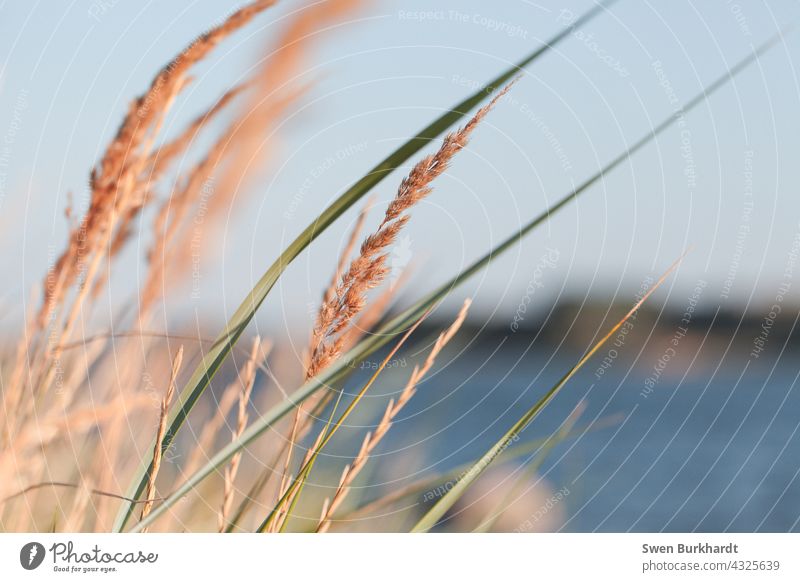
x: 714, y: 451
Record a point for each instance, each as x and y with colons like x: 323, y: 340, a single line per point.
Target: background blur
x: 701, y: 421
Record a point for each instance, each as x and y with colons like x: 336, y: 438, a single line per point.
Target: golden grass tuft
x: 369, y: 269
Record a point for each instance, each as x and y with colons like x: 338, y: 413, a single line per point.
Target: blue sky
x: 725, y: 183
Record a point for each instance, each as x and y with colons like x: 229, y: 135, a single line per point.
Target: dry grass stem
x: 228, y: 168
x: 371, y: 440
x: 162, y: 427
x: 368, y: 269
x: 247, y: 382
x: 112, y: 181
x: 300, y: 421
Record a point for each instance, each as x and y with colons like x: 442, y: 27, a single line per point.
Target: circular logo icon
x: 31, y: 555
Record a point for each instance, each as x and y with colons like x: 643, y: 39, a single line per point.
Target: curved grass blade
x: 431, y: 482
x: 528, y: 473
x: 212, y: 361
x: 447, y: 501
x: 399, y: 323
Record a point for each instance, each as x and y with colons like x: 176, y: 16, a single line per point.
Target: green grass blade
x: 410, y: 315
x: 530, y: 471
x: 302, y: 475
x: 437, y: 512
x: 306, y: 471
x: 216, y: 355
x: 264, y: 477
x: 434, y: 481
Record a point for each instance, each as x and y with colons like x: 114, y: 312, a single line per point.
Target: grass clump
x: 89, y: 416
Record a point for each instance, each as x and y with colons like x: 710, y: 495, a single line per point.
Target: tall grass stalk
x: 212, y: 361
